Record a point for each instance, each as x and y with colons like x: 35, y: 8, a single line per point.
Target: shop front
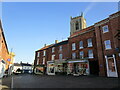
x: 78, y: 67
x: 60, y: 66
x: 50, y: 67
x: 39, y: 69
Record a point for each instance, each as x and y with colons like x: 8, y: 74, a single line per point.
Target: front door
x: 51, y: 69
x: 111, y: 67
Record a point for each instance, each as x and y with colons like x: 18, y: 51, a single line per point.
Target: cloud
x: 89, y: 7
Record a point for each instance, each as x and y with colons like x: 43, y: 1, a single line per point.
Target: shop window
x: 73, y: 46
x: 81, y: 54
x: 60, y: 48
x: 53, y: 57
x: 105, y: 29
x: 73, y: 55
x: 53, y: 49
x: 107, y: 44
x: 90, y: 53
x: 89, y: 42
x: 60, y: 56
x: 81, y: 44
x: 44, y: 52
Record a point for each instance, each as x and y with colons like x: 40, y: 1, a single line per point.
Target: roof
x: 17, y: 64
x: 3, y: 35
x: 81, y: 31
x: 25, y: 64
x: 45, y: 47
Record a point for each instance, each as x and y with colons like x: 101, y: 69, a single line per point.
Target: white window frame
x: 103, y: 29
x: 81, y: 54
x: 37, y: 61
x: 73, y: 55
x: 107, y: 46
x: 53, y: 49
x: 89, y: 41
x: 53, y: 57
x: 73, y: 46
x: 80, y: 46
x: 43, y: 60
x: 60, y: 56
x: 44, y: 52
x: 38, y: 54
x: 60, y: 48
x: 90, y: 55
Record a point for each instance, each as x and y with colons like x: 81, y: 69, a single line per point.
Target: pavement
x: 59, y: 81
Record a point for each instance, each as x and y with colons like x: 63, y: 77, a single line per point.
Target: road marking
x: 12, y: 82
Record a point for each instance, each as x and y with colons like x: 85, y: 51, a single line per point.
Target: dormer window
x: 77, y: 25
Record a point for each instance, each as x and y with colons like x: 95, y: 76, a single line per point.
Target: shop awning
x: 60, y: 61
x: 76, y: 61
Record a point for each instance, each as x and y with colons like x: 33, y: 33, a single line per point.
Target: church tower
x: 77, y: 23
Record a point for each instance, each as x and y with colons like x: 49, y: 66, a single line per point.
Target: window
x: 38, y: 54
x: 105, y: 29
x: 44, y: 52
x: 60, y: 48
x: 81, y: 54
x: 81, y: 44
x: 107, y: 44
x: 60, y: 56
x: 53, y: 57
x: 73, y: 55
x: 37, y: 61
x: 73, y: 46
x: 53, y: 49
x: 77, y: 25
x: 89, y: 42
x: 90, y: 53
x: 44, y: 60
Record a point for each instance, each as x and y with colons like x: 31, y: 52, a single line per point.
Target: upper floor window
x: 89, y: 42
x: 73, y: 46
x: 81, y: 54
x: 81, y: 44
x: 73, y: 55
x: 37, y: 61
x: 53, y: 49
x: 107, y: 44
x: 90, y: 53
x: 77, y: 25
x: 44, y: 52
x: 44, y: 60
x: 53, y: 57
x: 60, y: 48
x: 105, y: 29
x: 38, y: 54
x: 60, y: 56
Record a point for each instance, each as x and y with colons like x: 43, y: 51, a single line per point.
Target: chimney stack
x: 44, y: 45
x: 56, y: 41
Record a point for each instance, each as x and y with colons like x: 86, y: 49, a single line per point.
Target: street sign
x: 9, y: 59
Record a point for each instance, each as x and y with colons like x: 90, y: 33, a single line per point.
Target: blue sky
x: 30, y: 25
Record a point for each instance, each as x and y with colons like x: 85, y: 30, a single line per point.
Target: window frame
x: 89, y: 42
x: 81, y: 55
x: 90, y: 55
x: 81, y: 47
x: 104, y: 29
x: 73, y: 57
x: 73, y: 46
x: 106, y: 45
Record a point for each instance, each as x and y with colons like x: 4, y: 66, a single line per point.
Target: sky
x: 30, y: 25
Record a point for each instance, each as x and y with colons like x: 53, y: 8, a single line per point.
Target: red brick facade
x: 104, y: 59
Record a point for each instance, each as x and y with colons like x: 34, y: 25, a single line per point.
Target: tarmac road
x: 59, y: 81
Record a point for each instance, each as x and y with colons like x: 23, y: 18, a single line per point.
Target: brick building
x: 5, y: 56
x: 88, y: 50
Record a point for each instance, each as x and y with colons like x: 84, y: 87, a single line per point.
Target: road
x: 38, y: 81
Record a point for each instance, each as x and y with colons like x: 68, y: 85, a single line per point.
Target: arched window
x: 77, y: 25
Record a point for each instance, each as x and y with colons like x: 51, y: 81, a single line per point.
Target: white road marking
x: 12, y: 82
